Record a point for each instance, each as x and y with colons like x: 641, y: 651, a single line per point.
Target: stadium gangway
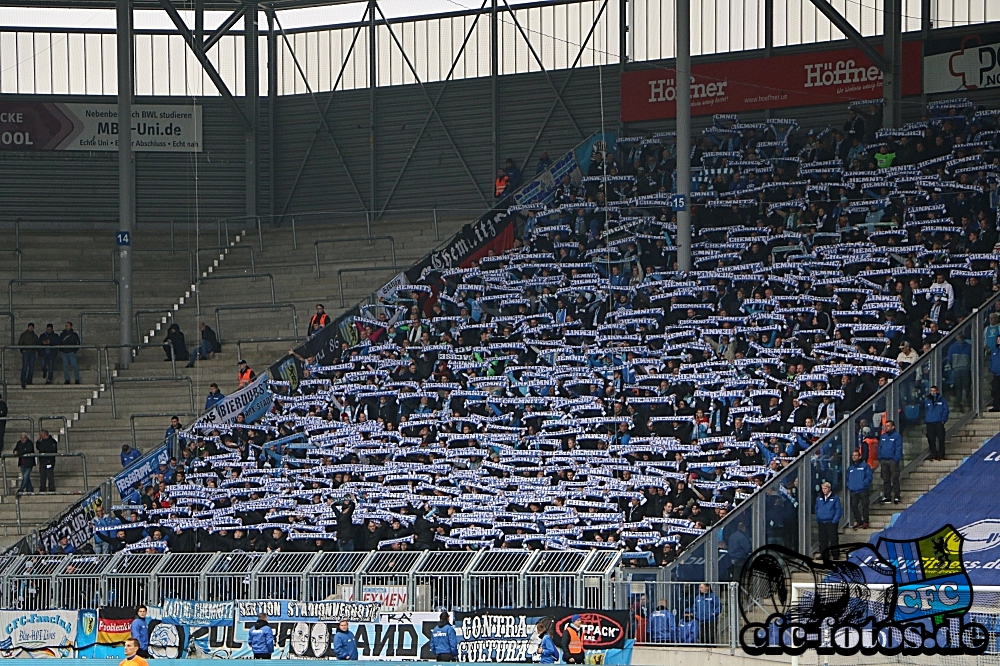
x: 440, y: 579
x: 273, y: 307
x: 225, y: 249
x: 360, y: 269
x: 325, y: 241
x: 243, y: 276
x: 135, y: 352
x: 163, y: 320
x: 169, y: 250
x: 781, y: 512
x: 497, y: 579
x: 227, y: 220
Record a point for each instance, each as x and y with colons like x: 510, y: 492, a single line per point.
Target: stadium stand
x: 576, y: 392
x: 164, y: 277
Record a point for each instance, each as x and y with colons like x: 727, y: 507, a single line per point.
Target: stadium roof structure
x: 207, y: 5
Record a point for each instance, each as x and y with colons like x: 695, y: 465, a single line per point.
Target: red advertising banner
x: 805, y: 79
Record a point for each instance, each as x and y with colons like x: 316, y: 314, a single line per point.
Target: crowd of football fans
x: 578, y: 391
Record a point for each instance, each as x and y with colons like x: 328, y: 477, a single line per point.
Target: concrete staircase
x: 161, y: 282
x: 927, y: 475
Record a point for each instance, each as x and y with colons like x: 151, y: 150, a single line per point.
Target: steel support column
x: 494, y: 86
x: 126, y: 176
x: 322, y: 114
x: 431, y: 114
x: 206, y: 64
x: 548, y: 76
x: 252, y: 88
x: 565, y: 84
x: 372, y: 85
x: 892, y: 48
x: 851, y: 33
x: 683, y: 88
x: 272, y: 96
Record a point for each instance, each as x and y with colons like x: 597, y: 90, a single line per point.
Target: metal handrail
x: 10, y: 286
x: 255, y: 218
x: 94, y: 313
x: 241, y: 341
x: 30, y: 420
x: 269, y: 276
x: 6, y: 485
x: 8, y: 313
x: 170, y: 250
x: 340, y: 275
x: 168, y: 311
x: 20, y: 259
x: 150, y: 415
x: 64, y: 432
x: 131, y: 380
x: 708, y: 539
x: 135, y: 348
x: 264, y: 306
x: 316, y: 244
x: 5, y: 348
x: 227, y: 248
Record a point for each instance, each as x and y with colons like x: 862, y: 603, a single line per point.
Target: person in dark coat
x: 25, y: 450
x: 210, y: 345
x: 175, y: 346
x: 47, y: 463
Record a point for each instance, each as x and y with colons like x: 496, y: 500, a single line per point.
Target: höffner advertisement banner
x: 804, y: 79
x: 960, y: 64
x: 34, y: 126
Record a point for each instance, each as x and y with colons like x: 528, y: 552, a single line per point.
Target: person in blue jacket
x: 548, y: 654
x: 890, y: 454
x: 140, y: 631
x: 707, y: 608
x: 660, y: 626
x: 344, y: 645
x: 859, y: 483
x: 129, y: 455
x: 992, y: 336
x: 261, y: 638
x: 687, y: 629
x: 828, y: 514
x: 936, y: 415
x: 444, y: 643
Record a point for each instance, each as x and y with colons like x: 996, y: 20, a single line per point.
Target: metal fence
x: 405, y: 581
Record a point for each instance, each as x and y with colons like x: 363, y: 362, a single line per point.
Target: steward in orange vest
x: 573, y: 651
x: 245, y: 374
x: 318, y: 320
